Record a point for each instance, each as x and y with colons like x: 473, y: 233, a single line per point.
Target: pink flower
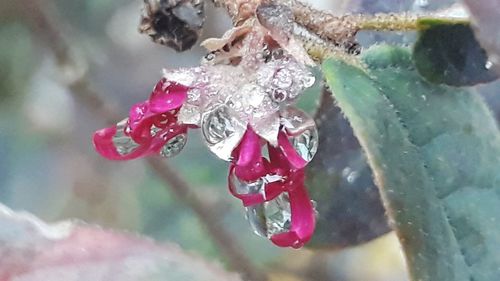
x: 241, y: 109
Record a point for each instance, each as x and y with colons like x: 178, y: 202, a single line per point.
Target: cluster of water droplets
x: 224, y: 99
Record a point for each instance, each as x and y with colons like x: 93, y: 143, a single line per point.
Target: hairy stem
x: 48, y: 27
x: 340, y: 29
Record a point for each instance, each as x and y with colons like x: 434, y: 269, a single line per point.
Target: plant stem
x: 339, y: 29
x: 47, y: 26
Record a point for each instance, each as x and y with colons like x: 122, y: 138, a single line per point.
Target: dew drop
x: 122, y: 142
x: 306, y: 144
x: 488, y: 65
x: 222, y: 131
x: 272, y: 217
x: 243, y: 187
x: 278, y: 95
x: 218, y: 125
x: 174, y: 146
x: 283, y: 79
x: 302, y: 132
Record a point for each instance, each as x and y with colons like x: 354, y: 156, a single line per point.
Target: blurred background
x: 49, y: 168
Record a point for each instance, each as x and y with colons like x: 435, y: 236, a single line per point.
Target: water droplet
x: 306, y: 144
x: 218, y: 125
x: 222, y: 130
x: 272, y: 217
x: 352, y: 176
x: 174, y: 146
x: 154, y: 130
x: 283, y: 79
x: 122, y: 142
x: 278, y: 95
x: 278, y: 54
x: 308, y: 81
x: 243, y: 187
x: 193, y: 94
x: 189, y: 114
x: 302, y: 132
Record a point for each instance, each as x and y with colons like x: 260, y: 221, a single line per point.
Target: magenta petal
x: 249, y: 163
x: 289, y: 151
x: 137, y: 113
x: 167, y: 96
x: 303, y: 220
x: 165, y: 135
x: 249, y: 149
x: 104, y: 145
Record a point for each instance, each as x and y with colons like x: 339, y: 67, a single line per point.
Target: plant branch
x: 340, y: 29
x: 48, y: 27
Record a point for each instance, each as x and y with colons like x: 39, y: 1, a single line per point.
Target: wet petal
x: 115, y: 143
x: 112, y: 143
x: 289, y: 151
x: 303, y: 220
x: 267, y: 127
x: 249, y: 150
x: 167, y: 96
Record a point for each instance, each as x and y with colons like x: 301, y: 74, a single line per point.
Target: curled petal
x: 303, y: 220
x: 249, y: 150
x: 142, y: 122
x: 167, y: 96
x: 290, y: 153
x: 256, y: 191
x: 250, y: 163
x: 115, y: 143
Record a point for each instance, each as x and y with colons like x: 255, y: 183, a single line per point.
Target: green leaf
x: 435, y: 153
x: 341, y: 183
x: 447, y: 52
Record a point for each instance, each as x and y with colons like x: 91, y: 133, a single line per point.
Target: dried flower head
x: 175, y: 23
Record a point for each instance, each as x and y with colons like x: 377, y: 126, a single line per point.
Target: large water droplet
x: 123, y: 143
x: 272, y: 217
x: 218, y: 125
x: 302, y: 132
x: 243, y: 187
x: 306, y: 144
x: 174, y: 146
x: 222, y: 131
x: 283, y: 79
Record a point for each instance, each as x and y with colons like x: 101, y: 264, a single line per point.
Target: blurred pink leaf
x: 31, y: 249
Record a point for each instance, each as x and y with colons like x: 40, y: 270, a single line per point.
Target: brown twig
x: 48, y: 27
